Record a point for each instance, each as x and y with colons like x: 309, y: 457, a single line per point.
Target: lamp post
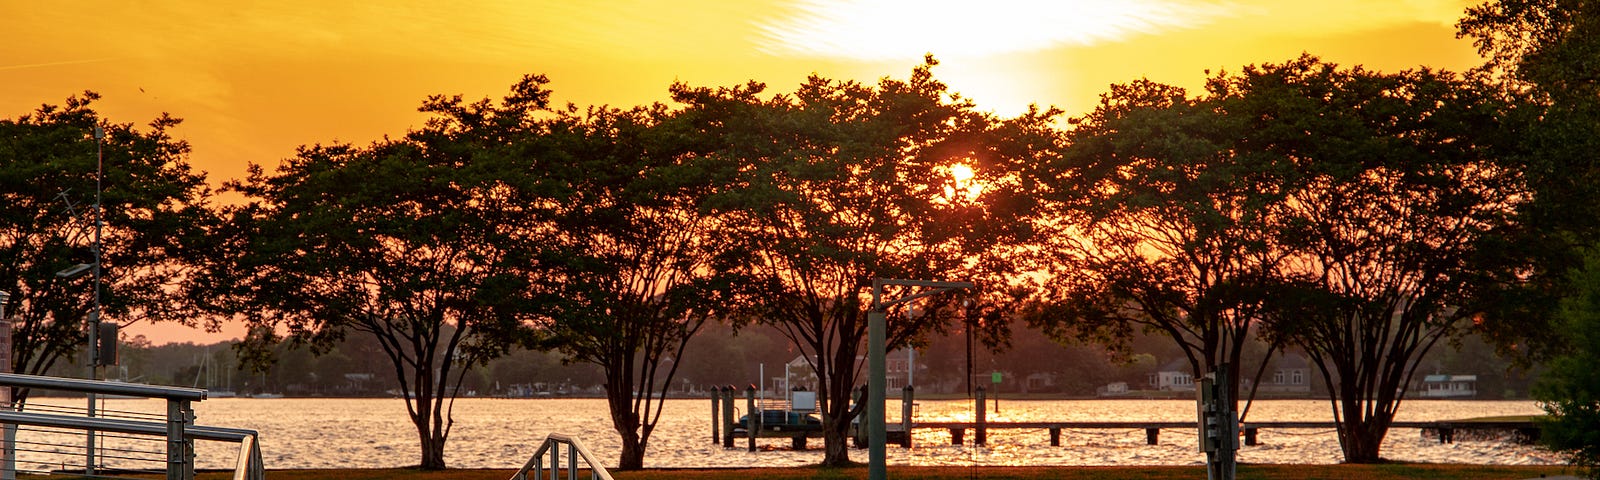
x: 99, y: 221
x: 94, y: 316
x: 877, y: 332
x: 8, y: 433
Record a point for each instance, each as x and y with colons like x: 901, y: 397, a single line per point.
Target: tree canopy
x: 635, y: 259
x: 403, y: 240
x: 155, y: 213
x: 839, y: 183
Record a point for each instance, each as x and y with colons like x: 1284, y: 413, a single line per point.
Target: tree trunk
x: 1362, y: 443
x: 432, y: 449
x: 1361, y: 436
x: 835, y: 442
x: 836, y: 421
x: 432, y: 441
x: 632, y: 453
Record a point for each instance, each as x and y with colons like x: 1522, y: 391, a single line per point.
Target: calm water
x: 502, y: 433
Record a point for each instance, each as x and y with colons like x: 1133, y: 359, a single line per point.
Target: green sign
x: 995, y: 377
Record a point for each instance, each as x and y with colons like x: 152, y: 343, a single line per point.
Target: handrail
x: 552, y: 443
x: 94, y: 386
x: 178, y: 428
x: 250, y: 465
x: 121, y: 426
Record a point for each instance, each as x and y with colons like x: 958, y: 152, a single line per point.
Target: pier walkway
x: 782, y: 422
x: 1446, y: 431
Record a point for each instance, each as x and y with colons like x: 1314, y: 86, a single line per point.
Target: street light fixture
x: 877, y: 332
x: 74, y: 271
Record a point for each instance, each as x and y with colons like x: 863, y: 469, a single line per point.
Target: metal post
x: 1221, y: 461
x: 94, y: 317
x: 1230, y: 423
x: 981, y: 435
x: 572, y: 462
x: 877, y: 333
x: 716, y: 397
x: 178, y: 454
x: 752, y: 424
x: 727, y: 416
x: 860, y: 435
x: 907, y: 400
x: 555, y: 460
x: 877, y: 386
x: 8, y: 457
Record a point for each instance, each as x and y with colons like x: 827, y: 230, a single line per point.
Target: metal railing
x: 552, y: 445
x: 175, y: 429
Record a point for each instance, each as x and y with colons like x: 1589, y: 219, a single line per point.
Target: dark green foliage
x: 1570, y: 389
x: 1163, y: 215
x: 1355, y: 213
x: 634, y: 260
x: 402, y: 240
x: 1400, y: 197
x: 155, y: 214
x: 839, y: 183
x: 1547, y: 55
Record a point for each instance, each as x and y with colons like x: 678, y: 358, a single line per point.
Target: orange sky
x: 253, y: 79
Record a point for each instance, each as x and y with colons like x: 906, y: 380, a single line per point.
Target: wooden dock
x: 1524, y: 431
x: 725, y: 429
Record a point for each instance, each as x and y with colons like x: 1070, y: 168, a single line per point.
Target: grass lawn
x: 1394, y: 471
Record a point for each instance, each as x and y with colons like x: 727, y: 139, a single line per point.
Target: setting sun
x: 962, y: 186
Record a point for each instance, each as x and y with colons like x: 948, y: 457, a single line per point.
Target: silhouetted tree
x: 840, y: 183
x: 154, y: 210
x: 635, y: 260
x: 1547, y: 55
x: 1400, y: 192
x: 1163, y: 222
x: 402, y: 240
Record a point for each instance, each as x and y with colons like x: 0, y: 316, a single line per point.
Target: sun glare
x: 963, y: 186
x: 961, y: 173
x: 880, y: 30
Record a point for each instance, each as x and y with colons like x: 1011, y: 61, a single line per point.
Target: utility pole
x: 94, y: 317
x: 877, y: 333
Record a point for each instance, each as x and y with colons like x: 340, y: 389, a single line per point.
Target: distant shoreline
x: 931, y: 396
x: 1386, y: 471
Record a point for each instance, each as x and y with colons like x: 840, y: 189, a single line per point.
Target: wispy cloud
x: 21, y: 66
x: 886, y: 29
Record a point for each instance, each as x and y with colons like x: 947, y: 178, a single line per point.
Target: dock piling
x: 752, y: 426
x: 727, y: 416
x: 906, y: 401
x: 716, y: 410
x: 981, y: 437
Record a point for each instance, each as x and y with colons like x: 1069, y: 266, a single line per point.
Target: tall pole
x: 968, y: 318
x: 94, y: 317
x: 99, y: 222
x: 877, y: 340
x: 8, y: 433
x: 877, y: 331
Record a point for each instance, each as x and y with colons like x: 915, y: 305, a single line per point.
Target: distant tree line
x: 1364, y: 218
